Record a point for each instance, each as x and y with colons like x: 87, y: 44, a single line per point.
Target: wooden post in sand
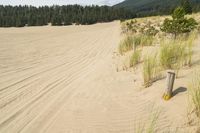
x: 170, y: 83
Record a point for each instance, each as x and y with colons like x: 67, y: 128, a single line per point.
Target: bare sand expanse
x: 64, y: 80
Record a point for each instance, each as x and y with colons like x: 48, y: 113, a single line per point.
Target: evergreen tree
x: 186, y: 6
x: 179, y: 23
x: 18, y: 16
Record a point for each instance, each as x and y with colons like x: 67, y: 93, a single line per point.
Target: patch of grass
x: 194, y: 91
x: 126, y: 45
x: 137, y: 41
x: 135, y: 58
x: 143, y: 40
x: 175, y: 54
x: 189, y: 48
x: 172, y: 55
x: 147, y: 40
x: 150, y: 70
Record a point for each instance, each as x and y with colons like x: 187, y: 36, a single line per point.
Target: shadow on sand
x: 179, y: 90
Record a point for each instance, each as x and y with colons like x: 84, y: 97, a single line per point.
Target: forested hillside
x: 19, y: 16
x: 156, y: 7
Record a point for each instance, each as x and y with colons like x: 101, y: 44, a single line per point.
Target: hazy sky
x: 58, y: 2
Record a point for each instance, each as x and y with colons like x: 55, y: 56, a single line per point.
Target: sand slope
x: 64, y: 80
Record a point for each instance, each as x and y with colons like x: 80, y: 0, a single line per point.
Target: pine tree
x: 179, y: 23
x: 19, y: 16
x: 186, y: 6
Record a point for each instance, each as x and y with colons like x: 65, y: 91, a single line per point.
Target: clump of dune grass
x: 172, y: 54
x: 147, y: 40
x: 126, y: 45
x: 175, y: 54
x: 189, y: 48
x: 194, y: 91
x: 150, y: 70
x: 135, y: 58
x: 143, y: 40
x: 137, y: 41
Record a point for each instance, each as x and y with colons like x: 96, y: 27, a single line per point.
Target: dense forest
x: 19, y: 16
x: 156, y: 7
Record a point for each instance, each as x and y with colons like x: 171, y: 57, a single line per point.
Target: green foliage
x: 179, y: 24
x: 135, y: 58
x: 19, y: 16
x: 186, y: 6
x: 130, y: 26
x: 178, y: 13
x: 126, y: 45
x: 151, y: 31
x: 156, y: 7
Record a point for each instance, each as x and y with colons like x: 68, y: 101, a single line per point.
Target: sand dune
x: 64, y: 80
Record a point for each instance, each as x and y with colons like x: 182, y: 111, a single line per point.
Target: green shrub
x: 179, y: 24
x: 126, y: 45
x: 135, y: 58
x: 151, y: 31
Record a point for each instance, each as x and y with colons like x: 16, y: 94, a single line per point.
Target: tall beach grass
x: 126, y: 45
x: 189, y: 47
x: 150, y: 70
x: 173, y: 54
x: 194, y: 91
x: 135, y: 58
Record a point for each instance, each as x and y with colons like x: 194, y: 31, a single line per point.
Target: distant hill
x: 155, y: 7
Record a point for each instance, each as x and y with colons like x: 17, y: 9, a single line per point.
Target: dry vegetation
x: 157, y: 52
x: 194, y: 92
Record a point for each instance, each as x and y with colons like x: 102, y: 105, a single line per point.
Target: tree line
x: 159, y: 7
x: 20, y: 16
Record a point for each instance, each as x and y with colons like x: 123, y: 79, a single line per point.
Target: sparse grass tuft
x: 150, y: 70
x: 194, y: 89
x: 189, y: 48
x: 126, y: 45
x: 135, y: 58
x: 149, y: 125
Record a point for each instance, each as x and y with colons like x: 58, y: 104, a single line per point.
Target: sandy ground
x: 64, y: 80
